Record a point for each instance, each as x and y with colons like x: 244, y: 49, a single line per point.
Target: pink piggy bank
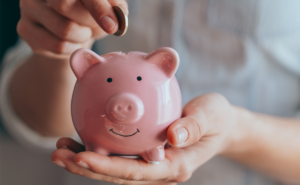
x: 123, y: 103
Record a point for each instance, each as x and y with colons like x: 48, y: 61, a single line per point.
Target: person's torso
x: 224, y: 47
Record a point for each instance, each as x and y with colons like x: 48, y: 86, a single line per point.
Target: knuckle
x: 62, y: 6
x: 65, y: 30
x: 193, y: 121
x: 98, y: 5
x: 183, y: 178
x: 196, y: 131
x: 54, y: 156
x: 116, y: 180
x: 59, y: 47
x: 183, y: 173
x: 127, y: 183
x: 134, y: 176
x: 211, y: 103
x: 216, y: 98
x: 183, y: 169
x: 21, y: 28
x: 76, y: 171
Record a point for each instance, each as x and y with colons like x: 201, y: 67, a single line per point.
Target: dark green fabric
x: 9, y: 16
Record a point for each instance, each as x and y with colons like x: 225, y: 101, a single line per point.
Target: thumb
x: 187, y: 130
x: 103, y: 13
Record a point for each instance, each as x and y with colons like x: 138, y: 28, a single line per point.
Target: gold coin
x: 122, y: 19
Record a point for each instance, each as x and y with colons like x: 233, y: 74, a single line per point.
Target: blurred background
x: 9, y: 16
x: 12, y: 153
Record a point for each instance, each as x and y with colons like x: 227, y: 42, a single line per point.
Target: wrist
x: 242, y: 135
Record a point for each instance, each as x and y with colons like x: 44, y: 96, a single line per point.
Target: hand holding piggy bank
x: 123, y: 103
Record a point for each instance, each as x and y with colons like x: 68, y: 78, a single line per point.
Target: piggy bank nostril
x: 118, y: 108
x: 129, y: 108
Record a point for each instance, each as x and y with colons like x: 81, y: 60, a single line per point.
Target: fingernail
x: 83, y: 165
x: 108, y: 23
x: 182, y: 135
x: 64, y: 147
x: 59, y: 163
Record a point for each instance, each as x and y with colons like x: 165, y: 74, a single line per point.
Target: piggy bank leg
x: 154, y: 155
x: 97, y: 149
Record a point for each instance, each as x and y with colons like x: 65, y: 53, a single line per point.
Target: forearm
x: 40, y: 93
x: 269, y: 144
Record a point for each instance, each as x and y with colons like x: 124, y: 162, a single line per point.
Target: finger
x: 121, y: 3
x: 189, y: 159
x: 64, y: 158
x: 69, y: 143
x: 198, y: 118
x: 202, y: 116
x: 186, y: 131
x: 102, y: 12
x: 88, y: 44
x: 57, y: 24
x: 64, y: 28
x: 74, y: 10
x: 41, y: 39
x: 128, y: 169
x: 98, y: 32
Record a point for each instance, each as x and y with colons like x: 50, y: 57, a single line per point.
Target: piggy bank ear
x: 82, y: 59
x: 166, y: 58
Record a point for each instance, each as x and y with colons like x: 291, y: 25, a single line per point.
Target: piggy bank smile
x: 137, y: 130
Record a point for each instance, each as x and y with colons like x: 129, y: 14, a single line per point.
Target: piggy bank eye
x: 109, y: 80
x: 139, y: 78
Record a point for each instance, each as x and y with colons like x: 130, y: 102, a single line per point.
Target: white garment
x: 247, y: 50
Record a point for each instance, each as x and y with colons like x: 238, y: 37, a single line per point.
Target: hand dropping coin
x: 122, y: 19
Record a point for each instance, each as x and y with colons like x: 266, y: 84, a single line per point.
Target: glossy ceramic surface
x: 124, y: 103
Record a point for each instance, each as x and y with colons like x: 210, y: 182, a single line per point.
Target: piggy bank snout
x: 124, y: 108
